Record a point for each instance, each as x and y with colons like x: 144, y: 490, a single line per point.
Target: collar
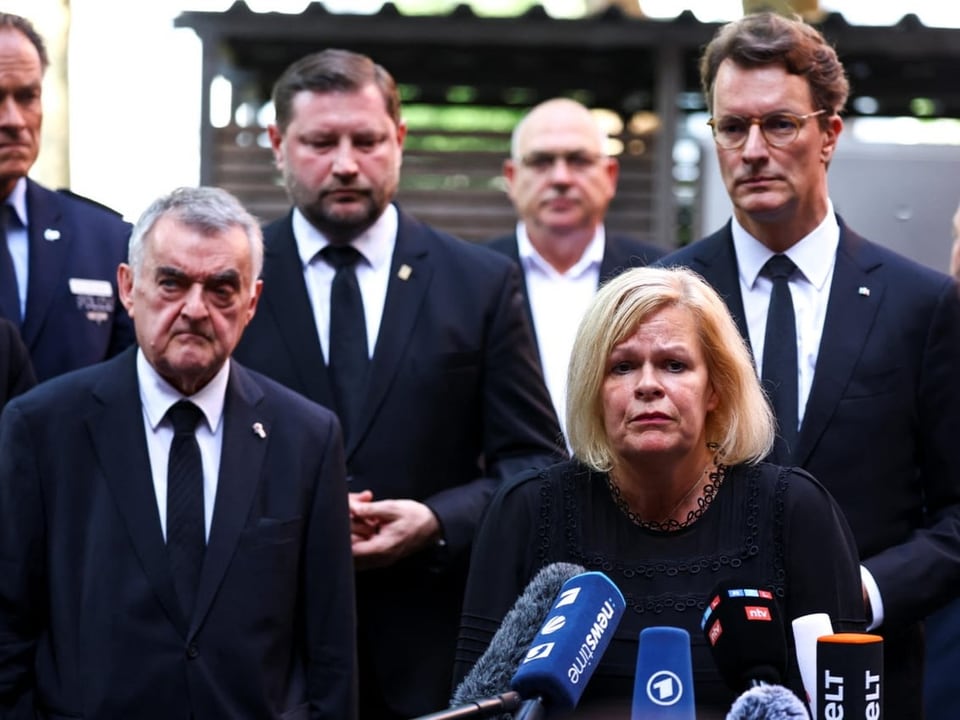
x: 157, y: 395
x: 814, y: 254
x: 375, y: 244
x: 590, y: 259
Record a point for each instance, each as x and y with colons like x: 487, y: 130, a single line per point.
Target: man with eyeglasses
x: 860, y: 357
x: 561, y: 181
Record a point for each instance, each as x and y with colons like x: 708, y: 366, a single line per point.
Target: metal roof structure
x: 616, y: 60
x: 611, y: 60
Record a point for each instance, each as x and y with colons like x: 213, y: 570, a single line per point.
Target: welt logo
x: 758, y: 613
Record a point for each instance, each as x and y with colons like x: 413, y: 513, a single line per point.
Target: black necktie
x: 348, y: 359
x: 780, y: 357
x: 9, y: 296
x: 185, y: 531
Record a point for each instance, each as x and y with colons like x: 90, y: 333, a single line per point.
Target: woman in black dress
x: 667, y: 493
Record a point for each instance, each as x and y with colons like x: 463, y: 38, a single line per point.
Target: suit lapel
x: 855, y: 296
x: 410, y: 275
x: 716, y: 260
x: 116, y: 428
x: 241, y: 462
x: 289, y: 304
x: 512, y: 250
x: 49, y: 245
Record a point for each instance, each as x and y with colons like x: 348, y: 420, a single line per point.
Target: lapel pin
x: 259, y: 431
x: 404, y: 272
x: 51, y: 234
x: 864, y: 290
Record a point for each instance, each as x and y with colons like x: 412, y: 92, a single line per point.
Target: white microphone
x: 806, y: 630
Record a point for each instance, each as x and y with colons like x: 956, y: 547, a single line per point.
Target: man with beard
x: 58, y: 252
x: 420, y: 343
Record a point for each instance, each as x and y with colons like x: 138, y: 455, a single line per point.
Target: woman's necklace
x: 716, y: 479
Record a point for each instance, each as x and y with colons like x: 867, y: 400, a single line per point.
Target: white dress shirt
x: 156, y: 397
x: 558, y: 302
x: 815, y: 257
x: 373, y: 272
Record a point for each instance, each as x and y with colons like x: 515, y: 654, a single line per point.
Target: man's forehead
x: 18, y: 55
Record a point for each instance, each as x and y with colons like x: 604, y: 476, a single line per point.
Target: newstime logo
x: 588, y: 648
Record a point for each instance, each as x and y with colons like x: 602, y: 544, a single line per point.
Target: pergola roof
x: 610, y: 59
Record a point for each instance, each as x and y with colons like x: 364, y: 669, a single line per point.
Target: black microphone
x: 768, y: 702
x: 850, y: 675
x: 745, y: 633
x: 491, y: 674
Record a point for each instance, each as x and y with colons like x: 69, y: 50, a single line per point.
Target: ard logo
x: 664, y: 688
x: 757, y: 612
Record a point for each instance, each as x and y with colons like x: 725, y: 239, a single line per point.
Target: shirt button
x: 192, y: 651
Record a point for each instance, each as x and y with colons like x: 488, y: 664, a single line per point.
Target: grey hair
x: 209, y: 210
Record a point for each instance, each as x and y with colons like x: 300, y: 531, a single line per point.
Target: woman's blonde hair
x: 742, y: 425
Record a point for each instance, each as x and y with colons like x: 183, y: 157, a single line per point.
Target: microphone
x: 767, y: 702
x: 663, y: 688
x: 567, y: 649
x: 490, y: 676
x: 745, y: 633
x: 849, y: 668
x: 806, y: 630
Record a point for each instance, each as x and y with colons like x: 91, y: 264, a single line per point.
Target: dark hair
x: 15, y: 22
x: 768, y: 39
x: 332, y: 71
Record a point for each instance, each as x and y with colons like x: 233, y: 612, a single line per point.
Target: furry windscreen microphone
x: 767, y: 702
x: 494, y: 670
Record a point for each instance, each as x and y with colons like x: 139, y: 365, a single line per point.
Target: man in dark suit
x: 420, y: 343
x: 58, y: 252
x: 174, y: 540
x: 874, y: 384
x: 561, y: 181
x: 16, y: 372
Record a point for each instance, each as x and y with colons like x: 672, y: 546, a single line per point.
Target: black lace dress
x: 766, y: 527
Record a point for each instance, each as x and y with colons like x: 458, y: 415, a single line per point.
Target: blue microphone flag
x: 566, y: 651
x: 663, y: 688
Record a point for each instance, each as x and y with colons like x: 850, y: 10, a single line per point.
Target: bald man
x: 561, y: 181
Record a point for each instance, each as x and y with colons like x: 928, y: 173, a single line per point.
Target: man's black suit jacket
x: 880, y: 428
x: 620, y: 253
x: 70, y: 322
x: 90, y: 624
x: 455, y: 403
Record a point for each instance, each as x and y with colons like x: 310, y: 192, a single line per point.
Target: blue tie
x: 185, y: 530
x: 349, y: 358
x: 9, y: 294
x: 780, y: 357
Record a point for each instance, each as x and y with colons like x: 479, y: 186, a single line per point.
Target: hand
x: 360, y: 528
x: 402, y: 528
